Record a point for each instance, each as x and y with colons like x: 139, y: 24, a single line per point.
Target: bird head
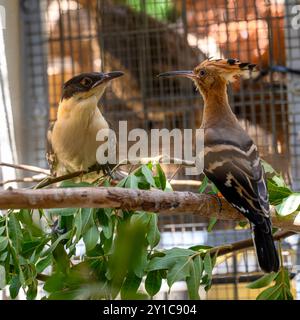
x: 87, y: 85
x: 212, y: 74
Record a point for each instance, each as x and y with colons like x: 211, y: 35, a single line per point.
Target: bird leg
x: 105, y: 168
x: 217, y: 196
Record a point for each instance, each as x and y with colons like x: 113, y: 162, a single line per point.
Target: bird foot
x: 105, y: 168
x: 218, y: 197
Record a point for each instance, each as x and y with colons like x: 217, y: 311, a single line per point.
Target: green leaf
x: 140, y: 262
x: 105, y: 221
x: 203, y: 185
x: 131, y: 182
x: 2, y: 229
x: 2, y: 277
x: 281, y: 289
x: 121, y: 184
x: 83, y: 221
x: 16, y: 258
x: 147, y: 173
x: 289, y: 205
x: 72, y: 184
x: 200, y: 248
x: 279, y: 181
x: 211, y: 224
x: 55, y: 282
x: 91, y: 237
x: 271, y: 293
x: 168, y: 186
x: 208, y: 267
x: 28, y: 247
x: 277, y: 194
x: 3, y: 243
x: 130, y: 286
x: 179, y: 271
x: 43, y: 264
x: 140, y: 217
x: 264, y: 281
x: 56, y: 242
x: 3, y: 256
x: 267, y: 167
x: 193, y: 281
x: 286, y: 277
x: 169, y: 259
x: 153, y: 234
x: 161, y: 176
x: 78, y: 225
x: 32, y: 290
x: 63, y: 211
x: 14, y: 287
x: 208, y: 264
x: 15, y: 232
x: 86, y: 218
x: 153, y: 282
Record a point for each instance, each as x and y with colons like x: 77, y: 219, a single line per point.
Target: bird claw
x: 105, y: 168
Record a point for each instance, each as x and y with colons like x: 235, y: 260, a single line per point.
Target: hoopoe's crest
x: 229, y: 69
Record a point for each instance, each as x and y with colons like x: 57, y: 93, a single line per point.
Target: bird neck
x: 216, y: 108
x: 79, y: 108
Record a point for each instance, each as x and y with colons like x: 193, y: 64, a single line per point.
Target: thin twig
x: 51, y: 180
x: 23, y: 180
x: 26, y: 168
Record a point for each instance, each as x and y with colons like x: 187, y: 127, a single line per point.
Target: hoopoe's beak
x: 182, y: 73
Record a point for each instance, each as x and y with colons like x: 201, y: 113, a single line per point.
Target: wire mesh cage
x: 143, y: 38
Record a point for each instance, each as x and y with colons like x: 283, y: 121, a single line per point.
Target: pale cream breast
x: 74, y: 133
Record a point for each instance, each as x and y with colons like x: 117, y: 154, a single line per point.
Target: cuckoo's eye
x: 202, y: 73
x: 86, y: 82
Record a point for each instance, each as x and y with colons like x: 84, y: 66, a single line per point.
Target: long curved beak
x: 182, y: 73
x: 108, y: 77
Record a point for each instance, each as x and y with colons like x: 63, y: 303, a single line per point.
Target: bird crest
x: 229, y: 69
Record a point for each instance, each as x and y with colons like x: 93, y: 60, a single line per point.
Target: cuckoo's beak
x: 108, y: 77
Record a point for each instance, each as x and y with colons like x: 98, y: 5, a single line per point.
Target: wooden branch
x: 130, y: 199
x: 244, y: 244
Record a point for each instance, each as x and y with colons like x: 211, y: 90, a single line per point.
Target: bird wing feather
x: 240, y: 177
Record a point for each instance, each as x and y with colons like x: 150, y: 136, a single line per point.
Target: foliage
x: 280, y: 289
x: 88, y: 253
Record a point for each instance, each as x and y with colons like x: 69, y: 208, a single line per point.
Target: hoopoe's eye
x: 86, y: 82
x: 202, y: 73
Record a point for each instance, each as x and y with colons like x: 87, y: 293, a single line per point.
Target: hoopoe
x: 231, y: 159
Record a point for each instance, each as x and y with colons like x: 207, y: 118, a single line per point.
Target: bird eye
x: 86, y: 82
x: 202, y: 73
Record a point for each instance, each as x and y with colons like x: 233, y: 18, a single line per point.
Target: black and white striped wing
x: 239, y: 176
